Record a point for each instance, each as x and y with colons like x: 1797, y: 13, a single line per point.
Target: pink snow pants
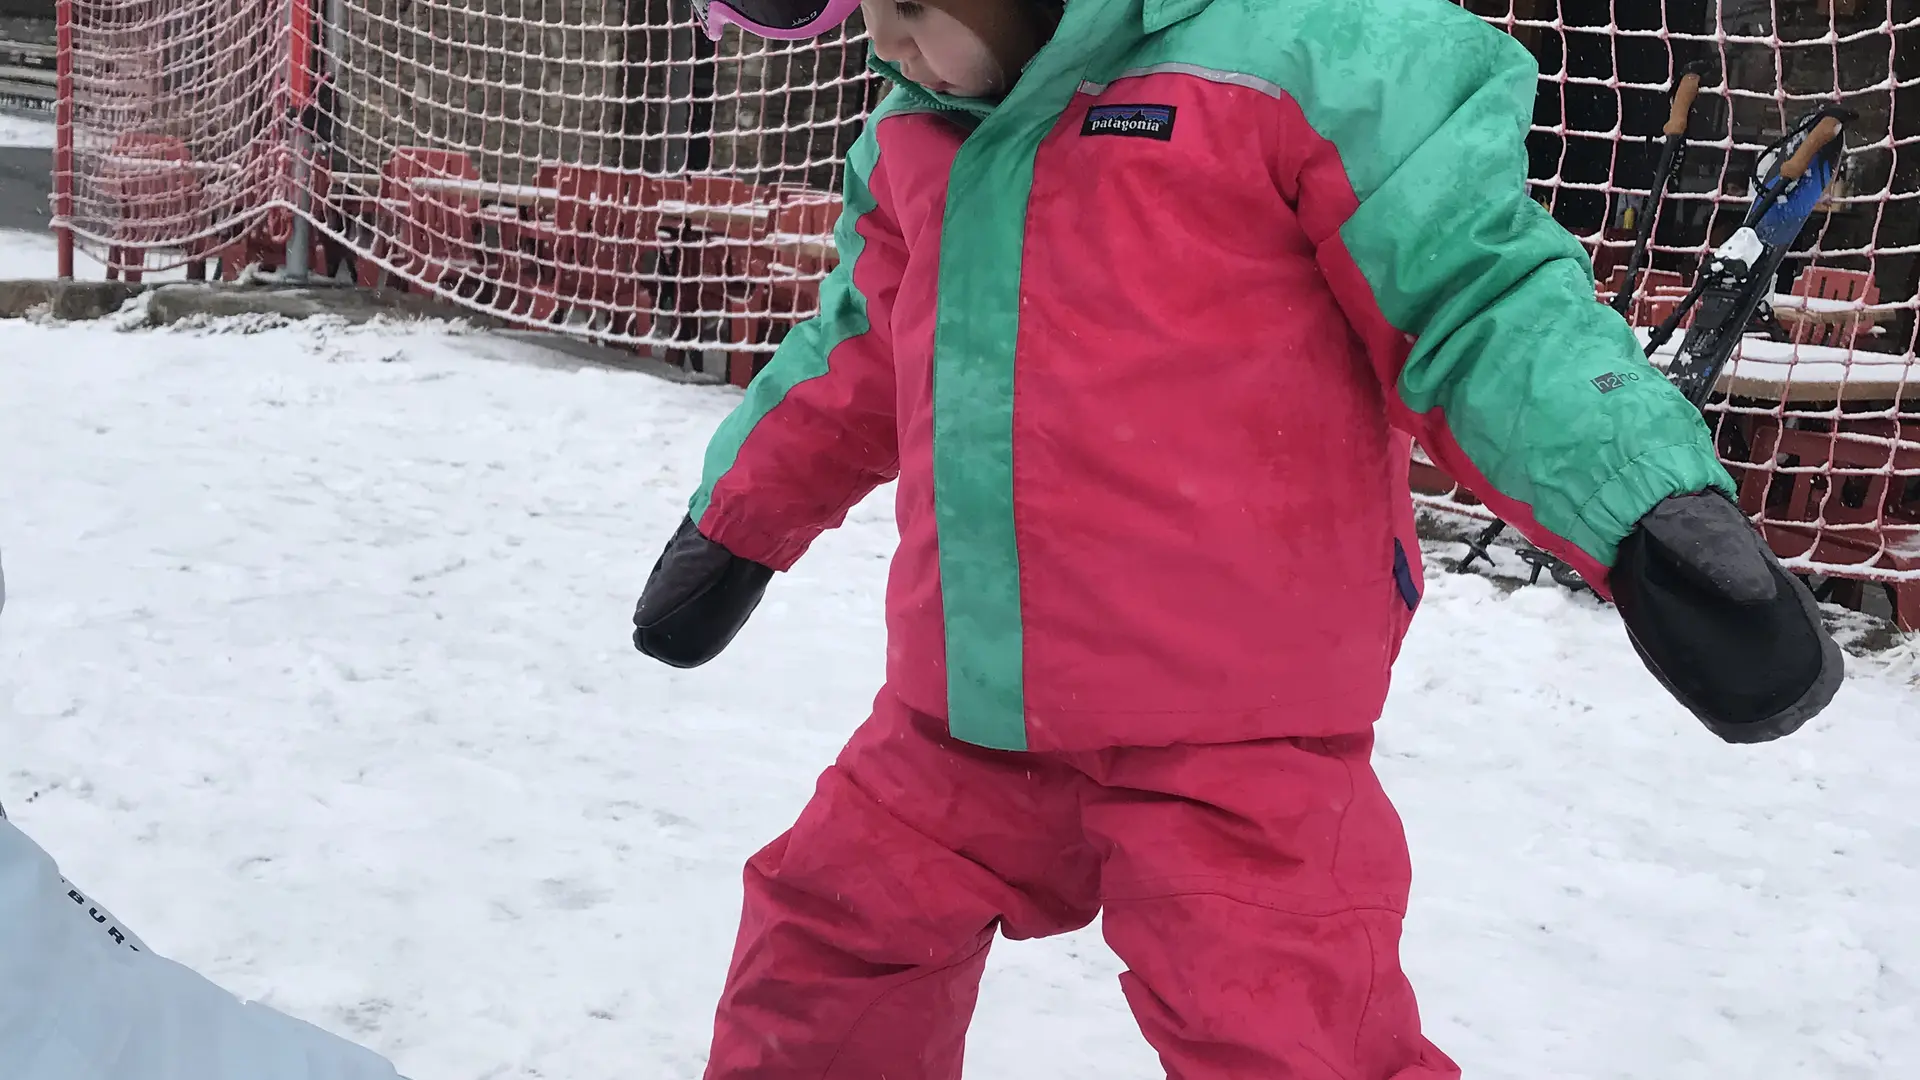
x: 1254, y: 891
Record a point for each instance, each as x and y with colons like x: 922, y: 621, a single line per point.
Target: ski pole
x: 1672, y: 156
x: 1795, y: 167
x: 1739, y: 278
x: 1664, y: 332
x: 1827, y: 124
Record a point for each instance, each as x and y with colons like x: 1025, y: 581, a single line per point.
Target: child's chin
x: 969, y: 90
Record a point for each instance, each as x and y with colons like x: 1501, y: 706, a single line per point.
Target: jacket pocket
x: 1403, y: 577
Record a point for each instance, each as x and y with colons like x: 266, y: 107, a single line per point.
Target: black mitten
x: 696, y: 600
x: 1721, y: 624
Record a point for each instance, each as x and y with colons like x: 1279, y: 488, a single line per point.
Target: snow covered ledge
x: 65, y: 300
x: 192, y: 305
x: 172, y: 303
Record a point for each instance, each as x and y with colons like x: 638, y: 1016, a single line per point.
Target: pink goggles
x: 786, y: 20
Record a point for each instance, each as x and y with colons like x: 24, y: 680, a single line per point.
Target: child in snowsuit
x: 1141, y: 311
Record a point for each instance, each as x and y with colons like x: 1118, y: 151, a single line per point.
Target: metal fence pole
x: 300, y: 241
x: 63, y: 139
x: 300, y: 98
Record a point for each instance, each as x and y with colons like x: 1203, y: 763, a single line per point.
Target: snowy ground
x: 33, y: 131
x: 315, y: 668
x: 35, y: 255
x: 31, y: 255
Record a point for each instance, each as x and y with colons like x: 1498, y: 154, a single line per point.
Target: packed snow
x: 29, y: 131
x: 315, y: 668
x: 35, y: 255
x: 30, y: 255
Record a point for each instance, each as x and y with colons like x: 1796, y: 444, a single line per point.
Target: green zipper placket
x: 977, y: 326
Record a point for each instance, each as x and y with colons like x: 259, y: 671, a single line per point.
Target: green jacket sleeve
x: 1477, y: 309
x: 816, y: 431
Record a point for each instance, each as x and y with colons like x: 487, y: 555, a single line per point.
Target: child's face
x: 947, y: 56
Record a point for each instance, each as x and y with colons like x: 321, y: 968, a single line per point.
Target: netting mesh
x: 600, y: 167
x: 169, y: 105
x: 592, y: 166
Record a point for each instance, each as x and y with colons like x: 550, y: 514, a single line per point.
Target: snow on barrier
x: 599, y: 167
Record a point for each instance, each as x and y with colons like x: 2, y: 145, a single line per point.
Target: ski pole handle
x: 1827, y: 130
x: 1683, y: 96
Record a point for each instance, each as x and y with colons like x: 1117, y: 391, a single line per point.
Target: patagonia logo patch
x: 1139, y: 121
x: 1614, y: 380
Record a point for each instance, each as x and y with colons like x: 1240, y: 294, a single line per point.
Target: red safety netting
x: 589, y: 166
